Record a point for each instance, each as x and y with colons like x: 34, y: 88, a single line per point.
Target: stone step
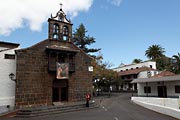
x: 47, y: 110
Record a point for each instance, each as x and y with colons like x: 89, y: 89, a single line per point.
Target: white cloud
x: 115, y: 2
x: 33, y: 13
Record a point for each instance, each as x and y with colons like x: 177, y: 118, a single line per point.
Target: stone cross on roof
x: 61, y: 6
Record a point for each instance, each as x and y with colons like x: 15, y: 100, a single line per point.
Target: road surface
x: 116, y: 107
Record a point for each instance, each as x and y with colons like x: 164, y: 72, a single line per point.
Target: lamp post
x: 12, y: 77
x: 97, y: 83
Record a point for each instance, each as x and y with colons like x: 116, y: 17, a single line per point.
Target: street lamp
x: 12, y: 76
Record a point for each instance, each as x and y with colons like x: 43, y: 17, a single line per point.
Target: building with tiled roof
x: 165, y: 84
x: 163, y: 74
x: 160, y: 93
x: 132, y: 71
x: 135, y: 71
x: 123, y: 67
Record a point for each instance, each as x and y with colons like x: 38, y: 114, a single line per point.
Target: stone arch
x: 56, y: 31
x: 65, y: 32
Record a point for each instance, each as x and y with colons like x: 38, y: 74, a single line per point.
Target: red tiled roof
x: 163, y: 74
x: 159, y: 79
x: 134, y: 71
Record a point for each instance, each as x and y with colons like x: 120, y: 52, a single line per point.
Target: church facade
x: 53, y: 70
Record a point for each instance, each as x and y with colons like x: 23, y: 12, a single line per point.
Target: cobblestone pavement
x: 115, y: 107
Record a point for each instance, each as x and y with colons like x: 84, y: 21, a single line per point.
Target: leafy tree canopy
x: 137, y: 61
x: 103, y: 76
x: 83, y: 41
x: 176, y: 63
x: 156, y: 53
x: 163, y: 63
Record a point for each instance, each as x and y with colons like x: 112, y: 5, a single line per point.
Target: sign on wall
x: 62, y: 71
x: 90, y: 68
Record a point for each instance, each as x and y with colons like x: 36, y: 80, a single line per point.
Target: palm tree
x: 176, y: 63
x: 154, y: 52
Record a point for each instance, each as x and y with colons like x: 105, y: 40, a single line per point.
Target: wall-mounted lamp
x: 12, y: 77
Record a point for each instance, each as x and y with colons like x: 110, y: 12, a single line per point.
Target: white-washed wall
x: 171, y: 88
x: 154, y: 85
x: 144, y: 64
x: 153, y: 89
x: 168, y: 106
x: 142, y: 74
x: 145, y: 75
x: 7, y: 86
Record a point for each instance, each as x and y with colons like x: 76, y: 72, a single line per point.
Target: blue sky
x: 123, y: 29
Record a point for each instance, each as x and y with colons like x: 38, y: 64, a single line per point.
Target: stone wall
x: 34, y: 82
x: 81, y: 82
x: 33, y: 85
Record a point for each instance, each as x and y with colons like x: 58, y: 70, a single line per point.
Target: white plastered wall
x: 7, y: 86
x: 154, y: 92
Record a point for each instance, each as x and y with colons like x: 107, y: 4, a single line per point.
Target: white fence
x: 168, y: 106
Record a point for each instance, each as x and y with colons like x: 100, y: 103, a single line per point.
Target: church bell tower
x: 60, y: 28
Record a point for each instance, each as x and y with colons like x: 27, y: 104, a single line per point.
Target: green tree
x: 176, y: 63
x: 154, y: 52
x: 103, y: 76
x: 82, y: 40
x: 163, y: 63
x: 137, y: 61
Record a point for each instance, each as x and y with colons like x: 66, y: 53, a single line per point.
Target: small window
x: 137, y: 67
x: 147, y: 89
x: 9, y: 56
x: 177, y: 89
x: 135, y: 75
x: 150, y: 66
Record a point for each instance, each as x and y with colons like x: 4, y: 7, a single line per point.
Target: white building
x: 7, y: 66
x: 161, y: 94
x: 167, y: 86
x: 133, y: 71
x: 122, y: 67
